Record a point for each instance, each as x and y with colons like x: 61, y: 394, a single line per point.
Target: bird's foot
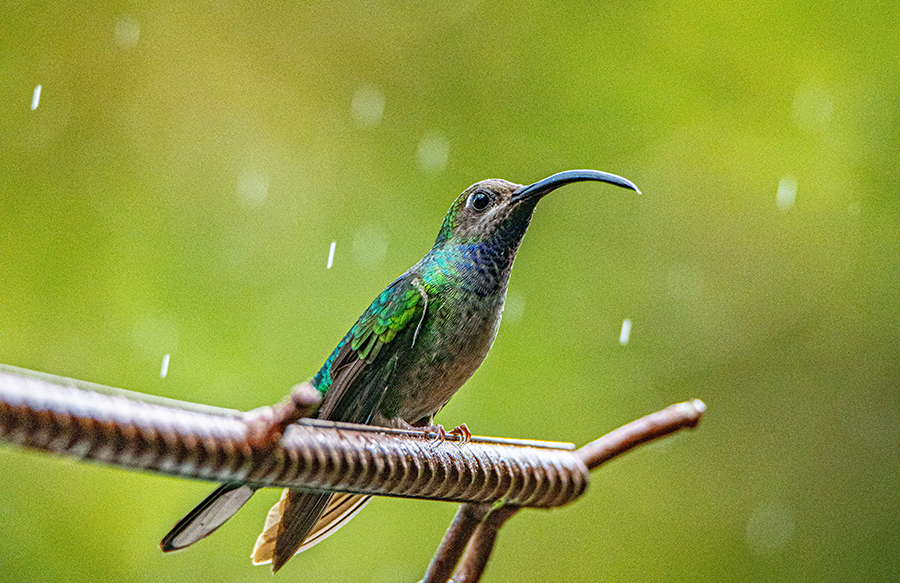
x: 460, y: 431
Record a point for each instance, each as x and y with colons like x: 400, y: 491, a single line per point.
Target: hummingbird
x: 409, y: 352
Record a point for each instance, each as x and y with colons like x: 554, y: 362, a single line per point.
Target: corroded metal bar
x: 51, y: 414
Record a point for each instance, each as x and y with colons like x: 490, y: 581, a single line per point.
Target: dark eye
x: 479, y: 200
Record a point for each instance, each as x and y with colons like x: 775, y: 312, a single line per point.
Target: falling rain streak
x: 626, y: 332
x: 331, y: 255
x: 36, y: 98
x: 164, y: 370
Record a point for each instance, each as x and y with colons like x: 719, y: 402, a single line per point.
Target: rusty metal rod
x: 479, y: 539
x: 140, y: 432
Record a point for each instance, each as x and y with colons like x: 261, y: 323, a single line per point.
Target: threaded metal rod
x: 182, y: 439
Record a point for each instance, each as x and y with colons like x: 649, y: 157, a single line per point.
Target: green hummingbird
x: 409, y: 352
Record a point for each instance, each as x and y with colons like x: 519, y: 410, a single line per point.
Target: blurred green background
x: 178, y: 185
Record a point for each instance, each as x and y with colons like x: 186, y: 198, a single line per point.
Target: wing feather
x: 354, y: 381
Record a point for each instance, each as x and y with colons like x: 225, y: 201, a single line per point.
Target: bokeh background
x: 176, y: 186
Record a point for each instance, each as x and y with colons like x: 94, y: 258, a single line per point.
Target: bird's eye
x: 479, y: 200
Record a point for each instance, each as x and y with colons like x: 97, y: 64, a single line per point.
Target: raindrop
x: 626, y: 332
x: 514, y: 308
x: 787, y: 192
x: 331, y: 255
x: 164, y: 370
x: 685, y: 282
x: 433, y: 153
x: 367, y: 106
x: 252, y: 188
x: 153, y: 334
x: 812, y: 108
x: 35, y: 98
x: 769, y: 528
x: 370, y: 246
x: 127, y: 32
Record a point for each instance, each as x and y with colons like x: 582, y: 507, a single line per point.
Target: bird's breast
x: 456, y: 333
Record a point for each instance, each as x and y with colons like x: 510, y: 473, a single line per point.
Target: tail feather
x: 341, y: 508
x: 264, y: 549
x: 300, y: 520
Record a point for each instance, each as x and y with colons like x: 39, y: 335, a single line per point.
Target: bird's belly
x: 449, y: 349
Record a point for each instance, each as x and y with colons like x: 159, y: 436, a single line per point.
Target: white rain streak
x: 331, y: 255
x: 626, y: 332
x: 36, y: 98
x: 164, y: 370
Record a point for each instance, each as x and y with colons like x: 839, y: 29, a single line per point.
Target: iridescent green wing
x: 354, y: 379
x: 361, y: 367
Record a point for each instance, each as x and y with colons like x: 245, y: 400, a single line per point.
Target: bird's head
x: 499, y: 211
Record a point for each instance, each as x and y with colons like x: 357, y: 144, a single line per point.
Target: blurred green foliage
x: 178, y: 185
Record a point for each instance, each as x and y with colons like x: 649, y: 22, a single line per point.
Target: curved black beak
x: 551, y: 183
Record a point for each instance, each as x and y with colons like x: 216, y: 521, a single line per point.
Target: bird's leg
x: 461, y: 431
x: 427, y: 426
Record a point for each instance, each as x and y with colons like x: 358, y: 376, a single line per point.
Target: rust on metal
x: 122, y: 429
